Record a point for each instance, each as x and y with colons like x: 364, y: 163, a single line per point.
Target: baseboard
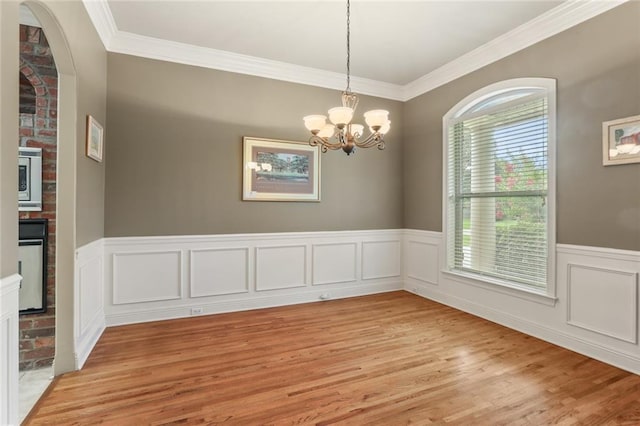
x: 246, y: 304
x: 91, y: 337
x: 617, y: 358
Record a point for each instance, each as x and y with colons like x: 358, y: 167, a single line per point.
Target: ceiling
x: 399, y: 49
x: 391, y: 41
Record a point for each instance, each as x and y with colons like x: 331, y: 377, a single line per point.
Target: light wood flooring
x: 387, y: 359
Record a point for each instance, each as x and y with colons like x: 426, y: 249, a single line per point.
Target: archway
x: 64, y: 359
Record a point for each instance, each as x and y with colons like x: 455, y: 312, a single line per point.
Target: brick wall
x: 38, y: 129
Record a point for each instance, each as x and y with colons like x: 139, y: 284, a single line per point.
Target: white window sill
x: 522, y: 292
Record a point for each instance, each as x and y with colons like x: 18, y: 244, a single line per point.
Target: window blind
x: 497, y: 188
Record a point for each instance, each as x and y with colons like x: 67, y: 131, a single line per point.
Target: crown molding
x: 102, y: 18
x: 554, y: 21
x: 171, y: 51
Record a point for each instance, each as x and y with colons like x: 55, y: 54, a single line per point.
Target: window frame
x: 455, y: 115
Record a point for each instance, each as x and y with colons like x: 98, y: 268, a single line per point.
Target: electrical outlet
x: 196, y: 311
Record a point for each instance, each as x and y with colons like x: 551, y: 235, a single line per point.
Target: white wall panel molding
x: 414, y: 256
x: 626, y: 359
x: 603, y: 253
x: 280, y: 267
x: 334, y: 263
x: 89, y: 318
x: 9, y: 344
x: 223, y: 273
x: 596, y: 312
x: 422, y: 260
x: 591, y: 291
x: 218, y: 271
x: 241, y: 240
x: 8, y: 287
x: 147, y: 276
x: 422, y: 257
x: 381, y: 259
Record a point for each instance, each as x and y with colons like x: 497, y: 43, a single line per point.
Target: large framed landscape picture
x: 621, y: 141
x: 276, y: 170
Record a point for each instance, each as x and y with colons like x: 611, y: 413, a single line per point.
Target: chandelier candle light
x: 342, y: 133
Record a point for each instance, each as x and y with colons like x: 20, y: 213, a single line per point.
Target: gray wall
x: 174, y: 150
x: 81, y: 62
x: 597, y: 67
x: 9, y: 43
x: 88, y: 66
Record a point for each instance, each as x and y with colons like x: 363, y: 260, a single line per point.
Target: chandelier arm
x: 324, y: 143
x: 379, y: 142
x: 371, y: 140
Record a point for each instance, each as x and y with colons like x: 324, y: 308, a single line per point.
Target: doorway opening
x: 38, y: 131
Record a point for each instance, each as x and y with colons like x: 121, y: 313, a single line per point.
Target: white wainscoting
x: 9, y: 307
x: 160, y: 269
x: 388, y: 256
x: 335, y: 263
x: 89, y: 321
x: 591, y: 290
x: 422, y: 257
x: 137, y: 279
x: 155, y: 278
x: 596, y: 311
x: 279, y: 267
x: 219, y: 271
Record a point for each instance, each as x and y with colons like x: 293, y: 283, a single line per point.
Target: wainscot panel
x: 89, y: 321
x: 215, y: 272
x: 381, y: 259
x: 135, y: 272
x: 422, y: 258
x: 335, y: 263
x: 156, y: 278
x: 591, y: 290
x: 9, y: 287
x: 279, y: 267
x: 595, y: 312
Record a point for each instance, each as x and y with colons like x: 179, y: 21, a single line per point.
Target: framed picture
x: 621, y: 141
x: 95, y: 139
x: 275, y: 170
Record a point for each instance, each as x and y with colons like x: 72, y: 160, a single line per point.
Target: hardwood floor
x: 387, y: 359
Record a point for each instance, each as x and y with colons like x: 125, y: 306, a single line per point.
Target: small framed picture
x: 95, y: 139
x: 621, y: 141
x: 275, y: 170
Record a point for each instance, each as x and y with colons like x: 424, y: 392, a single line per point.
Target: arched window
x: 499, y: 195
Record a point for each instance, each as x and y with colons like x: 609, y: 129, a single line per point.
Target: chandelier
x: 341, y: 133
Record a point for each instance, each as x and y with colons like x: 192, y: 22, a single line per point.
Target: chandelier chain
x: 348, y: 46
x: 340, y: 133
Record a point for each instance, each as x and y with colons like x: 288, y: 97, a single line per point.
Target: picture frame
x: 278, y: 170
x: 95, y: 139
x: 621, y: 141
